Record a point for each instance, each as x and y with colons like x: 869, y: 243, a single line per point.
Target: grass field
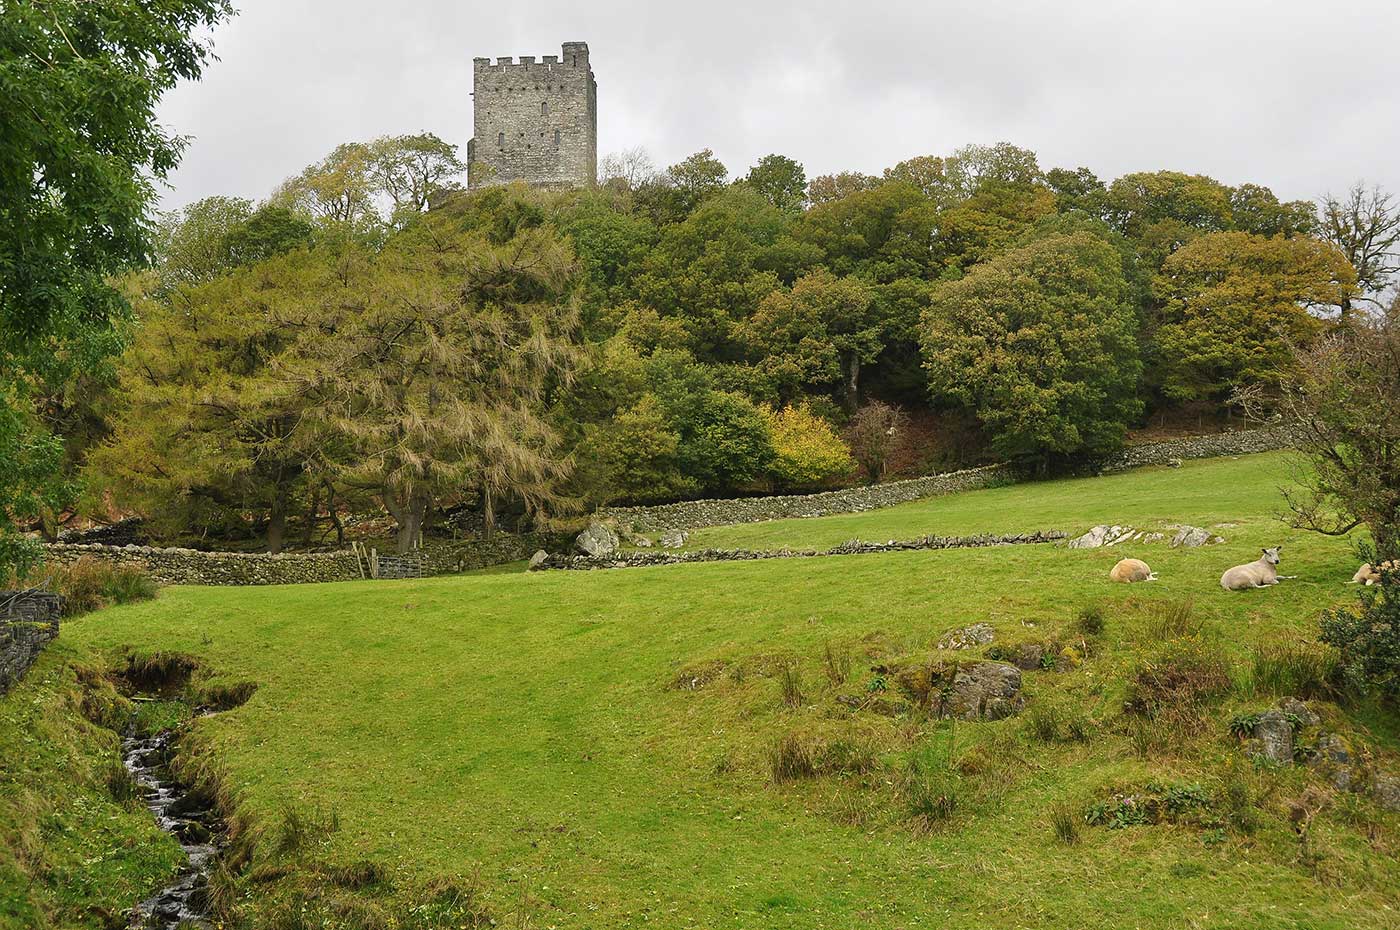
x: 1202, y: 492
x: 523, y: 734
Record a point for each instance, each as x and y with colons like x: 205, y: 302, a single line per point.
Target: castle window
x: 544, y: 108
x: 556, y: 138
x: 500, y: 140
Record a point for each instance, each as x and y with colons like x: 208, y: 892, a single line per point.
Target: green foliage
x: 1040, y: 342
x: 724, y: 440
x: 76, y: 181
x: 1234, y: 305
x: 1367, y: 634
x: 780, y: 180
x: 818, y: 334
x: 807, y: 452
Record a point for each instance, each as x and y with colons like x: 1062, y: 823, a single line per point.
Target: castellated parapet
x: 535, y: 121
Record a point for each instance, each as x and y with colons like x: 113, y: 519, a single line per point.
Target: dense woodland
x: 371, y: 336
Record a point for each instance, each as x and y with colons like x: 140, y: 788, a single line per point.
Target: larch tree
x: 435, y: 362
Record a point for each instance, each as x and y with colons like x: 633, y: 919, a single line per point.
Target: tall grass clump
x: 1297, y: 669
x: 1064, y: 821
x: 837, y: 664
x: 1090, y: 621
x: 91, y: 584
x: 790, y: 680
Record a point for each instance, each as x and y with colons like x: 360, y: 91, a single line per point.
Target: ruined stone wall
x: 535, y: 121
x: 28, y: 620
x: 690, y: 515
x: 640, y: 559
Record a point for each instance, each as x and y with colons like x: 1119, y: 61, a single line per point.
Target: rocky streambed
x: 187, y: 816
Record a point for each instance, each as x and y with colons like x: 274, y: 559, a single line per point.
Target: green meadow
x: 613, y: 749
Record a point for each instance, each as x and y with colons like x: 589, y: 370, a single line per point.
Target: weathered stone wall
x: 190, y: 566
x: 28, y: 620
x: 691, y: 515
x: 1240, y: 442
x: 535, y: 121
x: 638, y: 559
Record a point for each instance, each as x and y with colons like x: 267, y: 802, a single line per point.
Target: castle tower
x: 534, y: 121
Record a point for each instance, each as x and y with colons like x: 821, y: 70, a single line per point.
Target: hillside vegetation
x: 668, y: 747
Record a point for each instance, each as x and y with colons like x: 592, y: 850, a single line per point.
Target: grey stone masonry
x: 28, y: 620
x: 691, y: 515
x: 534, y: 121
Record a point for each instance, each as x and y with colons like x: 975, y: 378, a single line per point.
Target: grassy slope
x: 70, y: 853
x: 1201, y: 492
x: 523, y: 724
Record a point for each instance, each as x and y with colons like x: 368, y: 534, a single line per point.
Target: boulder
x: 641, y: 542
x: 1386, y: 791
x: 978, y: 634
x: 538, y: 558
x: 1307, y: 717
x: 1101, y: 536
x: 985, y: 691
x: 1191, y: 537
x: 1273, y: 738
x: 598, y: 540
x: 674, y: 539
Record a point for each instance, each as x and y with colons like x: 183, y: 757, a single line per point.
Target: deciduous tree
x: 1233, y: 305
x: 80, y: 151
x: 1040, y: 343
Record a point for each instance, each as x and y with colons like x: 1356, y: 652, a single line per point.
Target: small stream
x: 186, y: 816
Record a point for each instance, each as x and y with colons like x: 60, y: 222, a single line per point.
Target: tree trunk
x: 488, y: 514
x: 850, y: 389
x: 409, y: 512
x: 277, y: 522
x: 311, y: 514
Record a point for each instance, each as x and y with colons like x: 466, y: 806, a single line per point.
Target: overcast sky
x: 1301, y: 96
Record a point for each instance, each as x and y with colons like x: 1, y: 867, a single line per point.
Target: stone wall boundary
x: 698, y: 514
x: 28, y: 620
x: 172, y: 566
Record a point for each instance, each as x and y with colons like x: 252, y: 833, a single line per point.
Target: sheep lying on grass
x: 1130, y: 570
x: 1260, y: 573
x: 1368, y: 575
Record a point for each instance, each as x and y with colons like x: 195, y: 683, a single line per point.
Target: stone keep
x: 535, y: 121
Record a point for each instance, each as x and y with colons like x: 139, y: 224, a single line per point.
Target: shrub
x: 1090, y: 622
x: 874, y: 433
x: 1367, y: 635
x: 807, y: 451
x: 724, y: 442
x: 1182, y: 676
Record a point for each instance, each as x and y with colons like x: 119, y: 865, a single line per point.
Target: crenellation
x: 535, y: 122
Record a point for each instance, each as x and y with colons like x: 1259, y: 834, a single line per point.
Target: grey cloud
x: 1299, y: 96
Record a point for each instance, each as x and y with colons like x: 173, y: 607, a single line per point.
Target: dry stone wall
x: 28, y: 620
x: 692, y: 515
x: 191, y: 566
